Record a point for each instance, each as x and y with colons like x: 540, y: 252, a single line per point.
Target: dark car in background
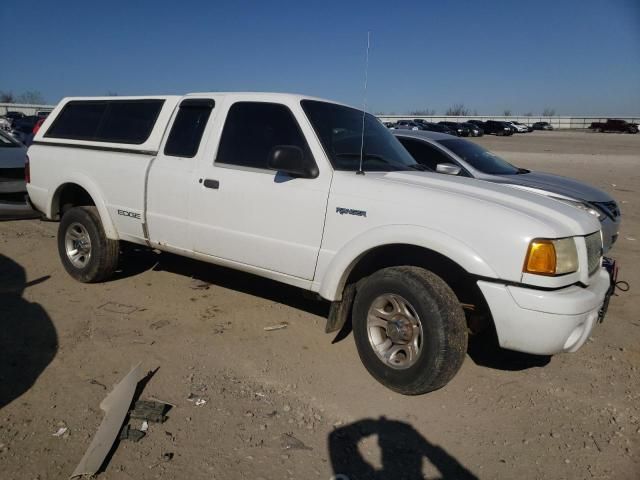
x: 22, y: 129
x: 437, y: 127
x: 542, y: 126
x: 479, y: 123
x: 474, y: 130
x: 494, y: 127
x: 614, y: 126
x: 12, y: 116
x: 460, y: 128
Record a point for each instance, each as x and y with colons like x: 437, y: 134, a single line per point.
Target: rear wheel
x: 409, y: 329
x: 85, y: 251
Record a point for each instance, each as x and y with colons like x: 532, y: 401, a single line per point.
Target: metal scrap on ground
x: 151, y: 411
x: 128, y: 433
x: 116, y: 405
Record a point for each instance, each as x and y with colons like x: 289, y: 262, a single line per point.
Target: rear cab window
x: 188, y: 127
x: 253, y: 129
x: 115, y: 121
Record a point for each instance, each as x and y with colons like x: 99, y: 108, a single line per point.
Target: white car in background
x: 520, y: 128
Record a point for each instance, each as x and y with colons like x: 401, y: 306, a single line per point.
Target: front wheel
x: 409, y: 329
x: 85, y: 251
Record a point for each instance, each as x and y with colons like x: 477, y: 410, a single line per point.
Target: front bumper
x: 546, y: 322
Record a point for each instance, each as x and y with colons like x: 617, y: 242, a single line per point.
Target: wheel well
x: 461, y: 282
x: 67, y: 196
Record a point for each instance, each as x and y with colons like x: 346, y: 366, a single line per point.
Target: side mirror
x: 448, y: 168
x: 290, y: 159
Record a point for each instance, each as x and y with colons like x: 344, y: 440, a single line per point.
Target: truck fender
x: 96, y: 194
x: 333, y: 280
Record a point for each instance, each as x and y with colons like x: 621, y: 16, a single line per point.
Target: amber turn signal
x: 541, y: 258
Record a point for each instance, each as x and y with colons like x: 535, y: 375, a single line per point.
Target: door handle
x: 209, y: 183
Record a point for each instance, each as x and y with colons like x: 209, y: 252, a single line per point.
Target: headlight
x: 551, y: 257
x: 582, y: 206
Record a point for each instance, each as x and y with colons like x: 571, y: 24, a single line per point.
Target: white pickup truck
x: 321, y: 196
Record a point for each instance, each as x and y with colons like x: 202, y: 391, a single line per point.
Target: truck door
x: 170, y: 177
x: 248, y: 214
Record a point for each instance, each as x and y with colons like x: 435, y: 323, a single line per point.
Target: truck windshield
x: 479, y: 158
x: 340, y: 131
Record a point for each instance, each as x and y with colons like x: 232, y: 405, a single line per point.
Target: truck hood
x: 557, y: 184
x: 564, y: 219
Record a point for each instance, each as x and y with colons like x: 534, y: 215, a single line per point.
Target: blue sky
x: 577, y: 56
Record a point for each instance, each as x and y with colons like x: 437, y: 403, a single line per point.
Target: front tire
x: 85, y: 251
x: 409, y: 329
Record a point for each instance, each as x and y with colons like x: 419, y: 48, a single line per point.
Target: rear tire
x: 410, y: 329
x: 85, y: 251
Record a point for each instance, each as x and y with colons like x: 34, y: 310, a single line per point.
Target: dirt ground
x: 296, y: 403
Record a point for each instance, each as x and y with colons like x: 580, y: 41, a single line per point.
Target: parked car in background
x: 460, y: 128
x: 11, y: 116
x: 43, y: 113
x: 407, y: 125
x: 474, y: 130
x: 479, y: 123
x: 497, y: 128
x: 455, y: 156
x: 22, y: 129
x: 542, y: 126
x: 527, y: 127
x: 13, y: 190
x: 436, y: 127
x: 614, y: 126
x: 518, y: 127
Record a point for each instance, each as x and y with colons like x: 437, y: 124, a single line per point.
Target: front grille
x: 610, y: 208
x: 594, y: 251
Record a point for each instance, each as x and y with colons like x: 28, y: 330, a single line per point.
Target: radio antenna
x: 364, y: 104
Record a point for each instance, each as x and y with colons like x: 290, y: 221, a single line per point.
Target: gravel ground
x: 289, y: 403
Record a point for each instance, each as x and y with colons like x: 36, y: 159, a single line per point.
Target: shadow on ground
x: 138, y: 260
x: 403, y: 452
x: 485, y: 351
x: 28, y: 339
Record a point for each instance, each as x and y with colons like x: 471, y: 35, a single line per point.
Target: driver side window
x: 253, y: 129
